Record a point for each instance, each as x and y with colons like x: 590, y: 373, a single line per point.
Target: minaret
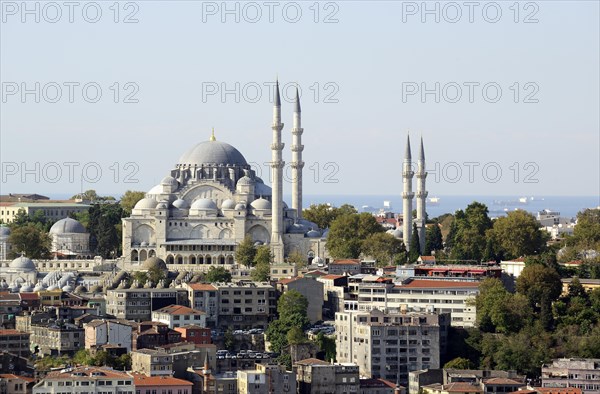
x: 421, y: 197
x: 277, y: 164
x: 407, y: 195
x: 297, y: 163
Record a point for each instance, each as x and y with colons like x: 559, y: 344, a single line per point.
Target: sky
x: 108, y: 95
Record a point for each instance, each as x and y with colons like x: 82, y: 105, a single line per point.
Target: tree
x: 518, y: 234
x: 229, y: 340
x: 383, y: 247
x: 217, y: 275
x: 92, y: 196
x: 586, y: 234
x: 347, y: 233
x: 296, y: 336
x: 459, y: 363
x: 291, y: 307
x: 297, y: 258
x: 246, y: 251
x: 467, y: 237
x: 129, y: 199
x: 262, y: 264
x: 415, y: 248
x: 433, y: 239
x: 104, y: 226
x: 324, y: 214
x: 498, y: 310
x: 82, y: 357
x: 327, y: 345
x: 541, y: 286
x: 30, y: 240
x: 155, y: 274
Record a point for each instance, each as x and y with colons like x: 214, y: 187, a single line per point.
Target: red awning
x: 477, y: 271
x: 458, y: 271
x: 439, y: 270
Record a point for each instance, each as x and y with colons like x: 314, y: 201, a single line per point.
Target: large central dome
x: 210, y: 153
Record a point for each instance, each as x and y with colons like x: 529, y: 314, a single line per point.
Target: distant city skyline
x: 368, y: 73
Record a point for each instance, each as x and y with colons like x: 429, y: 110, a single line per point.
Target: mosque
x: 212, y: 199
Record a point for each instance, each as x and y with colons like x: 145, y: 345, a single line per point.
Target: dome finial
x: 212, y: 137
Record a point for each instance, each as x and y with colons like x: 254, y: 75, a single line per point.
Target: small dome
x: 96, y: 289
x: 154, y: 262
x: 3, y: 284
x: 169, y: 181
x: 146, y: 203
x: 240, y: 206
x: 67, y: 226
x: 39, y: 286
x: 52, y: 287
x: 80, y: 289
x: 181, y: 204
x: 396, y: 233
x: 22, y: 263
x: 156, y: 190
x: 313, y: 234
x: 26, y: 288
x: 228, y: 204
x: 261, y: 204
x: 67, y: 288
x: 4, y: 231
x: 162, y: 205
x: 297, y: 228
x: 204, y: 203
x: 143, y: 243
x: 245, y: 181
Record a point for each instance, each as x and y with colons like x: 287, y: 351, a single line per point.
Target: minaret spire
x: 212, y: 136
x: 407, y: 195
x: 421, y: 198
x: 297, y: 163
x: 277, y: 164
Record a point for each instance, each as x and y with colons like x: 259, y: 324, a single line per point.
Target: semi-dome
x: 240, y: 206
x: 297, y: 228
x: 67, y: 226
x: 146, y: 203
x: 212, y: 152
x: 181, y: 204
x: 153, y: 263
x: 261, y: 204
x: 313, y: 234
x: 22, y: 263
x: 228, y: 204
x: 169, y: 181
x: 4, y: 231
x: 204, y: 203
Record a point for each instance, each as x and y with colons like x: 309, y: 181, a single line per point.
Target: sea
x: 568, y: 206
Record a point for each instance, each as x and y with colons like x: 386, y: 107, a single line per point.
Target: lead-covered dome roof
x: 67, y: 226
x: 212, y: 152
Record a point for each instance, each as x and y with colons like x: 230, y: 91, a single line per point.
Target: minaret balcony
x: 408, y: 174
x: 297, y: 131
x: 408, y: 195
x: 422, y: 194
x: 278, y: 146
x: 297, y: 148
x: 277, y: 164
x: 421, y: 175
x: 297, y: 165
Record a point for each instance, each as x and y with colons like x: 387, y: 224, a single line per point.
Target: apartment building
x: 55, y: 338
x: 311, y: 289
x: 151, y: 362
x: 345, y: 267
x: 138, y: 304
x: 246, y: 305
x: 320, y: 377
x: 15, y: 384
x: 15, y: 342
x: 204, y: 297
x: 488, y: 381
x: 178, y: 315
x: 114, y: 332
x: 432, y: 295
x: 161, y: 384
x: 582, y: 373
x: 266, y: 379
x: 389, y: 345
x: 91, y: 380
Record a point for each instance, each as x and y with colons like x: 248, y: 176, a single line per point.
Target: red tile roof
x: 202, y: 286
x: 12, y: 332
x: 346, y: 262
x: 456, y: 387
x: 332, y: 276
x: 29, y: 296
x: 312, y: 361
x: 148, y: 381
x: 179, y: 310
x: 285, y: 281
x: 502, y: 381
x: 13, y: 376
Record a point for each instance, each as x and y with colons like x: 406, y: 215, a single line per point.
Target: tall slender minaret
x: 407, y: 195
x: 297, y: 163
x: 277, y: 164
x: 421, y: 197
